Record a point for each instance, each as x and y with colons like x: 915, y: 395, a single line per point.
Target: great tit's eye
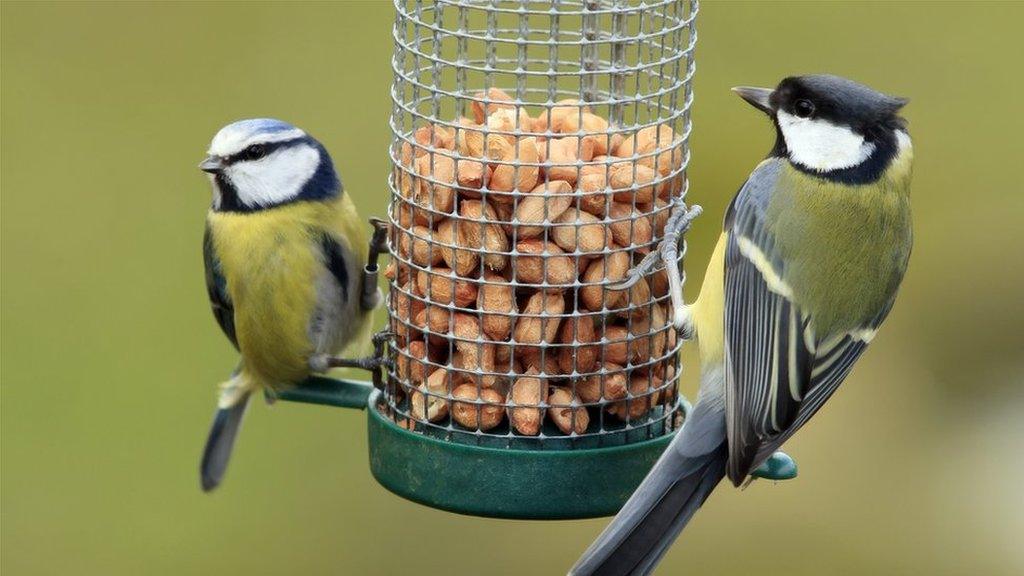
x: 803, y: 108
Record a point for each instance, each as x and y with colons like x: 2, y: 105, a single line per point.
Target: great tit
x: 814, y: 248
x: 286, y: 267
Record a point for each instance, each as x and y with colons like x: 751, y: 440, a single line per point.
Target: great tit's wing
x: 217, y: 290
x: 778, y: 371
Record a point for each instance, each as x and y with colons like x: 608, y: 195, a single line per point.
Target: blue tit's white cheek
x: 821, y: 145
x: 276, y: 178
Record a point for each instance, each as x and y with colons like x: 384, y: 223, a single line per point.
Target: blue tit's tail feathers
x: 653, y: 517
x: 230, y: 410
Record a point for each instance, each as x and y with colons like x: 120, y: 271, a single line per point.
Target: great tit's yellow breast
x: 271, y: 262
x: 846, y: 246
x: 708, y: 311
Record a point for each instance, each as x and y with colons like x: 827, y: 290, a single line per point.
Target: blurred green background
x: 110, y: 354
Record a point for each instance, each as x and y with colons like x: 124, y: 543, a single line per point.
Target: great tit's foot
x: 646, y: 266
x: 778, y: 466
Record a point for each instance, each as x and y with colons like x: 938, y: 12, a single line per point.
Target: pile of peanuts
x: 506, y: 232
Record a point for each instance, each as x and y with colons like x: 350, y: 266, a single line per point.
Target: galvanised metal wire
x: 630, y: 63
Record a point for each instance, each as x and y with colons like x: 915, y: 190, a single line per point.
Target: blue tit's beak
x: 757, y: 97
x: 212, y: 164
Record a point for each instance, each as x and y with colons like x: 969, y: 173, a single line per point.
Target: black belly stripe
x: 334, y: 258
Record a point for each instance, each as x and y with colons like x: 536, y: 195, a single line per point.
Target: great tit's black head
x: 262, y: 163
x: 838, y: 100
x: 827, y: 123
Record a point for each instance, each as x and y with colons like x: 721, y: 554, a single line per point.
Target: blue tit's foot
x: 369, y: 363
x: 269, y: 395
x: 379, y: 242
x: 778, y: 466
x: 381, y: 338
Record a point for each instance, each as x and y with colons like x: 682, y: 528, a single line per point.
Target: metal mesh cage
x: 539, y: 148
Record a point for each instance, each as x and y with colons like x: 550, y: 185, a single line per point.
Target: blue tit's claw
x: 778, y: 466
x: 318, y: 363
x: 269, y: 395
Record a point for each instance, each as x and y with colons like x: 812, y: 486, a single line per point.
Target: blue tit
x: 285, y: 255
x: 814, y: 248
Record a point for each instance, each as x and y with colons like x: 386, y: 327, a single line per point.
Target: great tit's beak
x: 212, y: 164
x: 757, y: 97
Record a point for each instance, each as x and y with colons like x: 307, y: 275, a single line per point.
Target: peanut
x: 566, y: 412
x: 629, y: 228
x: 577, y: 330
x: 499, y: 298
x: 483, y: 413
x: 612, y: 268
x: 441, y: 286
x: 435, y: 136
x: 499, y: 98
x: 469, y: 140
x: 554, y: 118
x: 480, y: 232
x: 582, y: 231
x: 438, y: 194
x: 546, y: 309
x: 629, y: 188
x: 612, y: 380
x: 565, y: 155
x: 509, y: 177
x: 545, y: 363
x: 640, y: 390
x: 528, y: 392
x: 548, y: 259
x: 426, y: 402
x: 649, y: 140
x: 417, y: 245
x: 543, y: 205
x: 409, y: 365
x: 593, y: 194
x: 463, y: 261
x: 615, y: 348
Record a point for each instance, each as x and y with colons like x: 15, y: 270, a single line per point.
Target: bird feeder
x: 539, y: 176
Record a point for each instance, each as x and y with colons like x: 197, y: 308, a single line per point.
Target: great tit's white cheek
x: 276, y: 178
x: 821, y: 145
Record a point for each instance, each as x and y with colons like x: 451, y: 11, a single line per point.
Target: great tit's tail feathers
x: 231, y: 407
x: 674, y: 489
x: 654, y: 516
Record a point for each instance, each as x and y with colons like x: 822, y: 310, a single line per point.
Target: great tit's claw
x: 645, y: 267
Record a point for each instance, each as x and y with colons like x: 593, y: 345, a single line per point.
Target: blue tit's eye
x: 254, y: 152
x: 803, y: 108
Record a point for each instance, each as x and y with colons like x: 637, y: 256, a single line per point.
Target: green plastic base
x: 506, y: 483
x: 500, y: 482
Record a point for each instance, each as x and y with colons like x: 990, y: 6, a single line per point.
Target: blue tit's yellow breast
x: 271, y: 261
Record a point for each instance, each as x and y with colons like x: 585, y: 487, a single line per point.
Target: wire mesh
x: 538, y: 149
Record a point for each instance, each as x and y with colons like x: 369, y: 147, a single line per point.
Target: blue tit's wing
x: 778, y: 371
x: 217, y: 290
x: 334, y: 259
